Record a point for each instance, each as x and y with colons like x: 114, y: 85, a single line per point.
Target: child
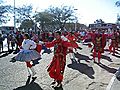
x: 27, y: 53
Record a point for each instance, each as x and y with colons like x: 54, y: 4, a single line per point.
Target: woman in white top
x: 28, y: 53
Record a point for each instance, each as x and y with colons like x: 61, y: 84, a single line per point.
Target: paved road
x: 78, y: 74
x: 114, y: 83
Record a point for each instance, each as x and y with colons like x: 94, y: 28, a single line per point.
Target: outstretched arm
x: 50, y: 44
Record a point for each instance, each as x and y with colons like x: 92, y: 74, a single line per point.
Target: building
x: 103, y: 26
x: 75, y: 26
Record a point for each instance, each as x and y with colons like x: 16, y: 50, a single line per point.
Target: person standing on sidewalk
x: 27, y: 54
x: 57, y: 66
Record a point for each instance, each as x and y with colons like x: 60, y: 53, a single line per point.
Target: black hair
x: 71, y: 32
x: 27, y: 35
x: 58, y: 32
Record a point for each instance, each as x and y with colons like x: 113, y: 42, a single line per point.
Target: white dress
x: 28, y: 52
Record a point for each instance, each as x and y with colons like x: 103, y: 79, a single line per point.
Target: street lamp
x: 14, y: 18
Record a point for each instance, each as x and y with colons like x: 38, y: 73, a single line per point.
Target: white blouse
x: 28, y: 44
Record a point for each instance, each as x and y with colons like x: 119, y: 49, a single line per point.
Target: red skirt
x: 56, y: 68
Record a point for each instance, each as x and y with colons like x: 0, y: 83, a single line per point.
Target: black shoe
x: 28, y: 80
x: 13, y: 60
x: 59, y: 85
x: 34, y: 78
x: 53, y: 83
x: 35, y: 62
x: 29, y: 76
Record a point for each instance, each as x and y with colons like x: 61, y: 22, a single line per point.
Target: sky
x: 87, y: 10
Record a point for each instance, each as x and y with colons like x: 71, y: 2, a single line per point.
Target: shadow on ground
x: 79, y: 48
x: 58, y: 88
x: 81, y: 57
x: 109, y: 69
x: 29, y: 85
x: 107, y: 58
x: 32, y: 86
x: 48, y: 51
x: 82, y: 68
x: 5, y: 53
x: 118, y: 56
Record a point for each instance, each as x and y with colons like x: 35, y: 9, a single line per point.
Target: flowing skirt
x: 27, y: 55
x: 56, y: 67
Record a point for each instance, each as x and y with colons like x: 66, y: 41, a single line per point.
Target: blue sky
x: 87, y: 10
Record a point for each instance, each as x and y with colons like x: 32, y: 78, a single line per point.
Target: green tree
x: 24, y: 16
x: 44, y: 19
x: 118, y: 17
x: 117, y: 3
x: 4, y: 12
x: 61, y: 15
x: 23, y: 13
x: 26, y: 24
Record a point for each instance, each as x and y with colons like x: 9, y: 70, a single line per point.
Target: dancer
x: 99, y: 44
x: 57, y: 66
x: 27, y: 53
x: 72, y: 38
x: 113, y: 42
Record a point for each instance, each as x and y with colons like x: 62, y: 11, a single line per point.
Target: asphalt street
x: 80, y: 74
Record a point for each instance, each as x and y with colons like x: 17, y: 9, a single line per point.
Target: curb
x: 111, y: 83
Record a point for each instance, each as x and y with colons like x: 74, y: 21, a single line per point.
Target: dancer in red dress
x: 57, y: 66
x: 73, y: 39
x: 99, y: 44
x: 113, y: 43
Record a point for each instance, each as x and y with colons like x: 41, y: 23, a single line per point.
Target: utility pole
x: 75, y: 19
x: 14, y: 18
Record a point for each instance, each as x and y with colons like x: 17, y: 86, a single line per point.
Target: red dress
x: 113, y: 43
x: 99, y: 44
x: 57, y: 66
x: 72, y: 40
